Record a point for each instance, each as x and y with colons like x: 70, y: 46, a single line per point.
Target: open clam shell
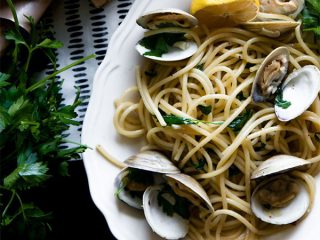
x: 169, y: 17
x: 124, y: 195
x: 182, y: 50
x: 188, y: 186
x: 152, y: 161
x: 289, y: 8
x: 168, y: 227
x: 278, y: 198
x: 300, y: 88
x: 278, y: 164
x: 166, y: 39
x: 290, y: 213
x: 270, y: 74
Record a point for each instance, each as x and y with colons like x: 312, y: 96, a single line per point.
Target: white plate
x: 114, y: 75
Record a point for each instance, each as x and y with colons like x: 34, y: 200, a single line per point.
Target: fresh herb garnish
x: 311, y: 16
x: 240, y: 96
x: 238, y: 123
x: 176, y: 120
x: 160, y: 43
x: 172, y: 203
x: 200, y: 66
x: 280, y: 102
x: 33, y: 120
x: 205, y: 109
x: 200, y: 165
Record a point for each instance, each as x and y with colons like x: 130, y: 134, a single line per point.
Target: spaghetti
x: 219, y: 78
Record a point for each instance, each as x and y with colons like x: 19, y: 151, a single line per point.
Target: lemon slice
x: 217, y: 13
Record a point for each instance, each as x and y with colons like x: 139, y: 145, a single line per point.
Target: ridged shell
x: 152, y: 161
x: 170, y: 15
x: 192, y: 185
x: 284, y: 215
x: 278, y: 164
x: 168, y: 227
x: 271, y: 29
x: 300, y: 88
x: 124, y: 195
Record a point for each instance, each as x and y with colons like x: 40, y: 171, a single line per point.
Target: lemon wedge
x: 217, y: 13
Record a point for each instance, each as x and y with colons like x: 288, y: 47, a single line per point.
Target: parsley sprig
x: 33, y: 119
x: 311, y: 16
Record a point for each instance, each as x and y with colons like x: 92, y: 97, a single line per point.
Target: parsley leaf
x: 160, y: 43
x: 200, y: 66
x: 176, y: 120
x: 205, y: 109
x: 238, y: 123
x: 311, y: 16
x: 200, y: 165
x: 172, y: 203
x: 280, y: 102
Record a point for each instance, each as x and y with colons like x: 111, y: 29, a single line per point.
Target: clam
x: 289, y: 8
x: 180, y: 193
x: 144, y: 169
x: 270, y: 74
x: 167, y: 38
x: 299, y: 90
x: 279, y: 198
x: 271, y: 25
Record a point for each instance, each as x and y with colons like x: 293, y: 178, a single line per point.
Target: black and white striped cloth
x: 84, y: 30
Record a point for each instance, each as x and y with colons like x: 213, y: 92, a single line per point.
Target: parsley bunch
x: 32, y: 121
x: 311, y: 16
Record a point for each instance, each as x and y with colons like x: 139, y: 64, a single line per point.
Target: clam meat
x: 144, y: 169
x: 167, y: 38
x: 270, y: 74
x: 279, y: 198
x: 289, y: 8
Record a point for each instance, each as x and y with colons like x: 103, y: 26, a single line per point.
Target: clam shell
x: 124, y: 195
x: 148, y: 18
x: 174, y: 54
x: 278, y: 164
x: 301, y: 89
x: 285, y: 215
x: 271, y: 29
x: 168, y: 227
x: 152, y: 161
x: 257, y: 95
x: 282, y: 7
x: 192, y: 185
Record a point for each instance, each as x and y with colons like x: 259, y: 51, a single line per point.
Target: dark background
x: 75, y: 215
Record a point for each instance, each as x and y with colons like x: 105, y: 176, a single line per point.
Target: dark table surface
x: 75, y: 215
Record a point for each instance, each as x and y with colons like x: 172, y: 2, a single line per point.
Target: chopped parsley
x: 238, y: 123
x: 176, y: 120
x: 310, y: 16
x: 280, y: 102
x: 240, y: 96
x: 205, y: 109
x: 160, y: 43
x: 200, y: 165
x: 200, y: 66
x: 179, y: 206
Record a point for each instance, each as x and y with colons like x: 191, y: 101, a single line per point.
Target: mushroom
x: 167, y: 38
x: 279, y: 198
x: 270, y: 74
